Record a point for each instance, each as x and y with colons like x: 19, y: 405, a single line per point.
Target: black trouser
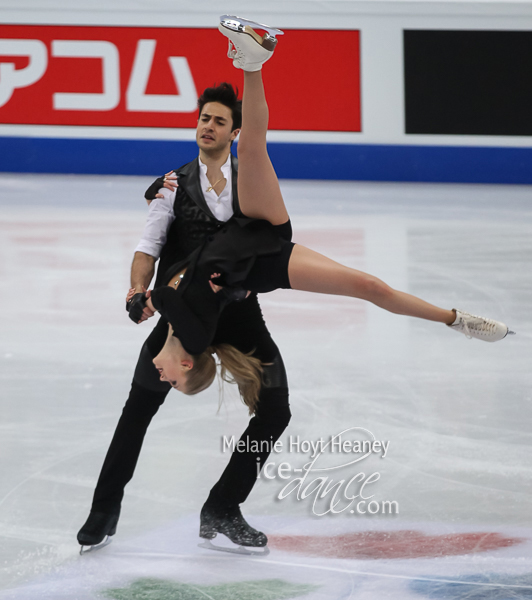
x: 242, y: 325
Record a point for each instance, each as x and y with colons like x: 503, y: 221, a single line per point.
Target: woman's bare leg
x: 310, y: 271
x: 260, y: 197
x: 258, y: 188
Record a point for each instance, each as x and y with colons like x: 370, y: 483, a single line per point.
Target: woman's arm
x: 188, y: 327
x: 149, y: 303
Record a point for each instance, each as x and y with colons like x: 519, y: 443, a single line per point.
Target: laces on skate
x: 480, y: 328
x: 231, y: 52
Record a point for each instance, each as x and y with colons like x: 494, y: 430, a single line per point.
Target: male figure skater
x: 204, y: 197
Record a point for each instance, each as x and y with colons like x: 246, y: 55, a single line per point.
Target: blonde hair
x: 235, y: 367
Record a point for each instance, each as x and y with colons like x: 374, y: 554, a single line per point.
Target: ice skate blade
x: 242, y: 550
x: 510, y: 332
x: 229, y: 28
x: 234, y: 21
x: 86, y: 549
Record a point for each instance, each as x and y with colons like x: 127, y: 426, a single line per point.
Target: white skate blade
x: 233, y: 21
x: 86, y: 549
x: 242, y: 550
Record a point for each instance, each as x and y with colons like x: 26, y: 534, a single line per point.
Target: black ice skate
x: 232, y: 524
x: 97, y: 531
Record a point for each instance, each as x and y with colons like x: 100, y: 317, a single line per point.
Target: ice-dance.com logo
x: 329, y: 494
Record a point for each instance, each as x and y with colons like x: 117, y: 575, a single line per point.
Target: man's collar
x: 226, y: 165
x: 189, y: 180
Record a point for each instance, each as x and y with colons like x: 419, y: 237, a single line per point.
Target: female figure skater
x: 253, y: 252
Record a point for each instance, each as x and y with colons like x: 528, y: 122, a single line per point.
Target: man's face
x: 213, y: 133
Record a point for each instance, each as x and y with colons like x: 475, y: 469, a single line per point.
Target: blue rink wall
x: 462, y: 164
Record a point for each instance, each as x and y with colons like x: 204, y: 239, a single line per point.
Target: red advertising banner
x: 151, y: 77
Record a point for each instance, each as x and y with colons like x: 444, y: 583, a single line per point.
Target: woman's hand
x: 149, y: 304
x: 170, y: 183
x: 215, y: 288
x: 130, y: 294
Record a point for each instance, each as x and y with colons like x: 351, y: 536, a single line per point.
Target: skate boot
x: 479, y: 327
x: 232, y: 524
x: 97, y: 531
x: 247, y: 48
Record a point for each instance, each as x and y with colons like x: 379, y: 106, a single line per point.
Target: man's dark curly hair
x: 224, y: 94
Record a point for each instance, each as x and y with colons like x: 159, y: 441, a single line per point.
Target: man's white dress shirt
x: 161, y: 211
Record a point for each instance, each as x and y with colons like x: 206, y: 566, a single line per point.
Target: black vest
x: 193, y: 219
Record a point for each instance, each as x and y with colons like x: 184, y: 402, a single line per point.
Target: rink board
x: 462, y: 164
x: 364, y: 93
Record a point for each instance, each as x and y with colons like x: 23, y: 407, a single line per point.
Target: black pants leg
x: 146, y: 396
x: 240, y: 475
x: 243, y: 326
x: 273, y: 412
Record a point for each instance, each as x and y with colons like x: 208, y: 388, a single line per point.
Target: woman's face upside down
x: 174, y: 363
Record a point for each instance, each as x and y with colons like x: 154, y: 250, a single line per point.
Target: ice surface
x: 456, y: 412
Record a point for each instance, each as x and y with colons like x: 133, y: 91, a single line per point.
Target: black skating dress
x: 249, y: 254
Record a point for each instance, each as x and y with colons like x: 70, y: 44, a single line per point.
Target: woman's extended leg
x: 258, y: 187
x: 310, y: 271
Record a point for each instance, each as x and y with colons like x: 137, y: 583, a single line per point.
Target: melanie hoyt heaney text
x: 333, y: 444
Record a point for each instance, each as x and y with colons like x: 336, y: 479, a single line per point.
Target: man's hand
x: 136, y: 305
x: 169, y: 181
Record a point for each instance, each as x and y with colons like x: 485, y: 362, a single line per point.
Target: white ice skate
x: 247, y: 48
x: 479, y: 327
